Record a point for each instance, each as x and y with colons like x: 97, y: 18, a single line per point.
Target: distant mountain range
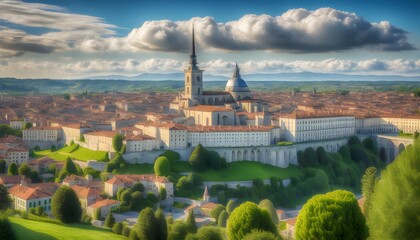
x: 301, y: 76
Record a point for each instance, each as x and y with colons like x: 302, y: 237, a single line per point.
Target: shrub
x: 117, y: 142
x: 162, y: 166
x: 12, y: 169
x: 6, y: 229
x: 260, y: 235
x: 109, y: 220
x: 245, y: 218
x: 354, y: 140
x: 118, y: 228
x: 198, y: 158
x: 223, y: 217
x: 318, y: 218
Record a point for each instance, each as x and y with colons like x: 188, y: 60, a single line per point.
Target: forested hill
x: 25, y: 86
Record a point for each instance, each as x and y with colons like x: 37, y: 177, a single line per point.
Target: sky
x: 80, y: 38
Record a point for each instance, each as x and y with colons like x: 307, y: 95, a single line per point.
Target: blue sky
x: 75, y: 38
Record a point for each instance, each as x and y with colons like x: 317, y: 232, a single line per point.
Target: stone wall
x: 233, y: 184
x: 43, y: 144
x: 280, y: 156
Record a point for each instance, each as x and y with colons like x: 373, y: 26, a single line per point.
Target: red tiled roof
x: 109, y: 134
x: 209, y: 108
x: 85, y: 192
x: 26, y: 193
x: 103, y: 203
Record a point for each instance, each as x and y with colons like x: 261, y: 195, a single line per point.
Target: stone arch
x: 233, y: 156
x: 382, y: 155
x: 286, y: 155
x: 391, y: 151
x: 401, y: 148
x: 267, y: 156
x: 246, y: 157
x: 252, y: 155
x: 259, y: 156
x: 225, y: 120
x: 277, y: 155
x: 239, y: 156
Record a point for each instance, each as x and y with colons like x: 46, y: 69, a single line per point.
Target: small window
x: 198, y: 78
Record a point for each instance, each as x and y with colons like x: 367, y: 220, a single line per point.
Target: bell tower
x: 193, y: 81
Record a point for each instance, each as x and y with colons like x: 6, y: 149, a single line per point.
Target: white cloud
x: 297, y: 30
x: 50, y: 69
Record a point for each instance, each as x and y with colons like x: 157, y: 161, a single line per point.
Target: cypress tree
x: 191, y: 225
x: 110, y: 220
x: 66, y: 206
x: 6, y: 230
x: 12, y: 169
x: 162, y: 228
x: 147, y: 229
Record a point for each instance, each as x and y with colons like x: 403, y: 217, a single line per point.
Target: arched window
x: 198, y: 78
x: 198, y: 90
x: 188, y: 79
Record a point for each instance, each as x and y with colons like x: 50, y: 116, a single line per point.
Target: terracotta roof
x: 43, y: 160
x: 26, y: 193
x: 291, y: 221
x: 6, y: 179
x: 42, y: 128
x: 209, y: 205
x: 76, y: 125
x: 199, y: 128
x: 209, y: 108
x: 103, y: 203
x: 139, y: 137
x: 109, y: 134
x: 130, y: 178
x: 85, y: 192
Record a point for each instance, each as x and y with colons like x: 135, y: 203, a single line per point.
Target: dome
x: 236, y: 83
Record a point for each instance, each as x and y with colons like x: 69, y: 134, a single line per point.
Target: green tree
x: 137, y: 201
x: 12, y: 169
x: 97, y: 214
x: 310, y: 158
x: 191, y: 225
x: 126, y: 231
x: 245, y: 218
x: 6, y: 229
x: 66, y: 96
x: 117, y: 142
x: 5, y: 200
x: 39, y: 210
x: 91, y: 171
x: 24, y: 170
x: 118, y: 228
x: 368, y: 144
x: 53, y: 148
x: 146, y: 225
x: 198, y: 158
x: 209, y: 233
x: 334, y: 215
x: 66, y: 206
x: 123, y: 149
x: 162, y: 194
x: 268, y: 206
x: 27, y: 125
x: 109, y: 220
x: 178, y: 231
x: 171, y: 155
x: 394, y: 213
x: 231, y: 205
x: 416, y: 135
x: 70, y: 167
x: 125, y: 197
x: 223, y: 217
x: 2, y: 166
x: 138, y: 187
x: 184, y: 184
x: 261, y: 235
x: 215, y: 212
x: 353, y: 140
x: 368, y: 186
x: 161, y: 225
x: 162, y: 166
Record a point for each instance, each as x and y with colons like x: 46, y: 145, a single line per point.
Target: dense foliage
x: 268, y: 206
x: 335, y: 215
x: 261, y: 235
x: 6, y: 229
x: 206, y: 233
x: 247, y: 217
x: 12, y: 169
x: 117, y: 142
x: 368, y: 186
x: 395, y: 209
x: 7, y: 130
x: 5, y: 199
x: 162, y: 166
x: 202, y: 159
x: 109, y: 220
x: 65, y: 205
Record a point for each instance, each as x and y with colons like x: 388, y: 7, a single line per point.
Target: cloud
x: 297, y: 30
x: 76, y: 69
x: 64, y: 30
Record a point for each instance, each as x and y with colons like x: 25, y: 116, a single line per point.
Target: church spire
x: 236, y: 73
x: 193, y: 57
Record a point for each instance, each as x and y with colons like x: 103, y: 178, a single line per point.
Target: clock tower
x: 193, y: 81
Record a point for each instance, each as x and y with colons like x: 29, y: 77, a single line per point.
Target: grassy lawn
x: 237, y: 171
x: 284, y: 143
x: 144, y: 168
x: 246, y: 170
x: 28, y: 230
x: 80, y: 153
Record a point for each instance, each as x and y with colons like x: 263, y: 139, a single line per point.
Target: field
x: 72, y: 151
x: 34, y: 230
x: 245, y: 170
x: 237, y: 171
